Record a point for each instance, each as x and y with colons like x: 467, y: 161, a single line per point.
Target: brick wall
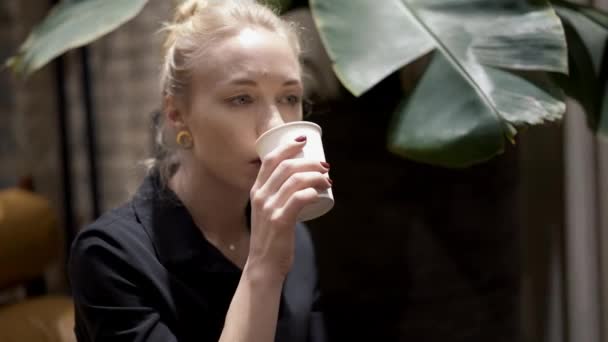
x: 124, y: 68
x: 29, y: 140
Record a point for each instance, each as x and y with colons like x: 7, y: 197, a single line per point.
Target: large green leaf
x: 478, y: 44
x: 68, y: 25
x: 367, y: 40
x: 468, y: 126
x: 587, y: 35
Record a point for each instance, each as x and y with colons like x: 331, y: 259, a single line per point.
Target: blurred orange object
x: 29, y: 240
x: 29, y: 243
x: 46, y: 318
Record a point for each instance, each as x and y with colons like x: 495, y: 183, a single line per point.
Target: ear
x: 174, y: 115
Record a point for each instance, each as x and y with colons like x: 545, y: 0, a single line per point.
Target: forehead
x: 252, y: 53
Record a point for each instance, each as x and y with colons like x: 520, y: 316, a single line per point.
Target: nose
x: 269, y: 119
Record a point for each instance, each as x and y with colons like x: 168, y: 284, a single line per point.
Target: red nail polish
x: 301, y: 138
x: 325, y: 165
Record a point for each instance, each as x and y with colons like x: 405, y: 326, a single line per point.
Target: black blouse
x: 144, y: 272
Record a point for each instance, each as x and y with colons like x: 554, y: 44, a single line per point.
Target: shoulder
x: 303, y: 239
x: 114, y: 241
x: 301, y: 284
x: 305, y: 261
x: 118, y: 227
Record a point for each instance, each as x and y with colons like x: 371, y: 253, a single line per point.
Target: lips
x: 256, y: 161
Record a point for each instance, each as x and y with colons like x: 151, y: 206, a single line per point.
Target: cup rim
x: 294, y: 123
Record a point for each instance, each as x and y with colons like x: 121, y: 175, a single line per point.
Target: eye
x: 240, y: 100
x: 292, y: 100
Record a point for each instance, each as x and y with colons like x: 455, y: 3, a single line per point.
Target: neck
x: 217, y: 208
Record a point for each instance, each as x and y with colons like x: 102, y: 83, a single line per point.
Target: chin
x: 233, y: 174
x: 248, y: 182
x: 242, y: 181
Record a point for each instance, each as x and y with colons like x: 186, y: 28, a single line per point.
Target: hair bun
x: 188, y: 9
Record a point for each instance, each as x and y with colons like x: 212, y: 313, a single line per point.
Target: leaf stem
x: 452, y: 59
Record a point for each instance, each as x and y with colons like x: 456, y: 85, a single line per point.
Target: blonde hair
x: 196, y: 26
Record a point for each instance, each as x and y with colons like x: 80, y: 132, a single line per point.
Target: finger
x: 298, y: 201
x: 287, y: 168
x: 297, y: 182
x: 276, y: 156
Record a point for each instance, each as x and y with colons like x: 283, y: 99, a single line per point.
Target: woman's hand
x: 284, y: 186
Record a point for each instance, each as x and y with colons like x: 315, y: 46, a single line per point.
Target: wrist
x: 261, y: 276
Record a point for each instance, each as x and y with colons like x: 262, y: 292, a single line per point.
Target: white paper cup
x: 313, y: 150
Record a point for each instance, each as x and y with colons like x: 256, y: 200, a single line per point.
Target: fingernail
x: 331, y: 182
x: 325, y: 165
x: 301, y: 138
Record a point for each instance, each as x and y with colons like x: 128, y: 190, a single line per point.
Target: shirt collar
x: 177, y: 239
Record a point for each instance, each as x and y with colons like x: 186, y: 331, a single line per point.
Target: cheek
x: 222, y: 136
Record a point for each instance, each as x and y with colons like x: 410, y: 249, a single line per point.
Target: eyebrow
x: 250, y: 82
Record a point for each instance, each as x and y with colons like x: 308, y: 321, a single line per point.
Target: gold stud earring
x: 184, y: 139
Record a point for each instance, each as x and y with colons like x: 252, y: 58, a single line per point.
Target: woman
x: 209, y: 249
